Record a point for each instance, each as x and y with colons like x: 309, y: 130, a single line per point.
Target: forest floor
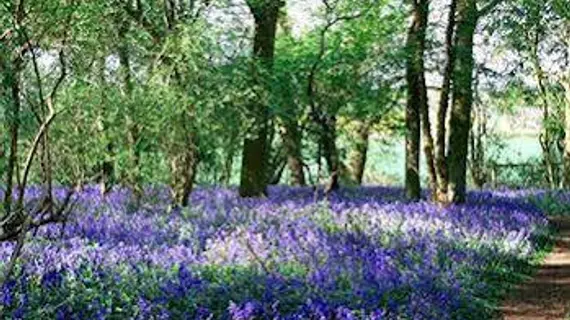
x: 546, y: 296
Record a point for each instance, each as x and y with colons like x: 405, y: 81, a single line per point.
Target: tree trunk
x: 292, y: 142
x: 45, y: 164
x: 416, y: 96
x: 566, y: 85
x: 228, y: 164
x: 255, y: 147
x: 360, y: 152
x: 546, y: 138
x: 107, y: 167
x: 476, y: 144
x: 133, y: 134
x: 460, y: 119
x: 441, y: 119
x: 330, y: 152
x: 12, y: 81
x: 277, y: 172
x: 183, y: 170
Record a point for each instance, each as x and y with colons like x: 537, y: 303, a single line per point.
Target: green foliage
x: 553, y: 203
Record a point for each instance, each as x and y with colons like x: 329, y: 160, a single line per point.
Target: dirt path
x: 547, y: 295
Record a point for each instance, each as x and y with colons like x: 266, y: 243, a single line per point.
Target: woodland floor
x: 547, y: 294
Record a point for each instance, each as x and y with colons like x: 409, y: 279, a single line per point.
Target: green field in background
x: 386, y: 160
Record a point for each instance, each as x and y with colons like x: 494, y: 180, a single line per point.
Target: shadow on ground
x: 547, y: 295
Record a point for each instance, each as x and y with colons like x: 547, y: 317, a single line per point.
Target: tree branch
x: 6, y: 34
x: 142, y: 20
x: 488, y: 8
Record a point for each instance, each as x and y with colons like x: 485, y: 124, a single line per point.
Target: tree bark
x: 416, y: 96
x: 360, y: 152
x: 476, y: 142
x: 107, y: 169
x: 183, y: 170
x: 255, y: 149
x: 13, y: 81
x: 443, y: 107
x: 330, y: 152
x: 292, y: 142
x: 546, y: 139
x: 228, y: 164
x: 133, y: 134
x: 566, y: 84
x: 460, y: 119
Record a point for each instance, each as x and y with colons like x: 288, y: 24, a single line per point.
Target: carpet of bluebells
x: 362, y: 254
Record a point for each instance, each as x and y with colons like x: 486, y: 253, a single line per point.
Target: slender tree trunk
x: 442, y: 112
x: 566, y: 85
x: 422, y: 99
x: 360, y: 151
x: 256, y: 149
x: 228, y: 164
x: 107, y: 166
x: 546, y: 138
x: 416, y: 96
x: 460, y: 119
x: 13, y: 81
x: 476, y: 144
x: 330, y: 152
x: 277, y: 170
x: 133, y: 134
x: 45, y: 164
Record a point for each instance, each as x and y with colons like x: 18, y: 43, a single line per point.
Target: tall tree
x: 167, y: 31
x: 468, y: 16
x: 359, y: 153
x: 256, y: 147
x: 563, y: 10
x: 11, y: 61
x: 460, y: 119
x: 417, y: 95
x: 443, y: 107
